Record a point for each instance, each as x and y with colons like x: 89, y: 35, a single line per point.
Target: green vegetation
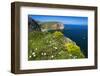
x: 74, y: 50
x: 51, y: 45
x: 58, y: 35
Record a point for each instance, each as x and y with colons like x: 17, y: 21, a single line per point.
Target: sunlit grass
x: 51, y: 45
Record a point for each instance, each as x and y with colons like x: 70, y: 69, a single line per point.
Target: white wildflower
x: 30, y: 56
x: 33, y: 53
x: 55, y: 47
x: 45, y: 53
x: 42, y: 53
x: 52, y: 56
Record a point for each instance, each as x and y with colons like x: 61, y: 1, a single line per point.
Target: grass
x: 52, y: 45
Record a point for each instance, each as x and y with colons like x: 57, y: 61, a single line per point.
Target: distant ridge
x: 44, y: 26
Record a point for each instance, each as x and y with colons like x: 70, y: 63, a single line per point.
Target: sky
x: 73, y: 20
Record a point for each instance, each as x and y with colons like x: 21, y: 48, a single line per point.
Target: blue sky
x: 73, y: 20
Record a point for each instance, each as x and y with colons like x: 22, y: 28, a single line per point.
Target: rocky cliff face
x: 46, y: 26
x: 33, y: 25
x: 43, y: 26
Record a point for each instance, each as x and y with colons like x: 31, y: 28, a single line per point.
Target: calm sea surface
x: 79, y: 34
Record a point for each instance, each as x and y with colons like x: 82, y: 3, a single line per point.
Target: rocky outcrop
x: 43, y: 26
x: 46, y: 26
x: 33, y: 25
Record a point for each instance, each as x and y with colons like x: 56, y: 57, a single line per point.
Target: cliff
x: 46, y: 26
x: 33, y: 25
x: 43, y: 26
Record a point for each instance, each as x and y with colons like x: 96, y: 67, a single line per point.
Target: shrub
x: 74, y: 50
x: 58, y: 34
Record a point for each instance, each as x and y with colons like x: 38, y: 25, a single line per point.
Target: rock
x: 68, y: 40
x: 33, y: 25
x: 47, y: 26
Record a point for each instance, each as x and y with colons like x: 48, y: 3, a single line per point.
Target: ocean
x: 79, y: 34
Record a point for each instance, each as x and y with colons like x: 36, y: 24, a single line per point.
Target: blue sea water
x: 79, y: 34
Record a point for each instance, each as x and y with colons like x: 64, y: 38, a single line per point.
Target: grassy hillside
x: 52, y: 45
